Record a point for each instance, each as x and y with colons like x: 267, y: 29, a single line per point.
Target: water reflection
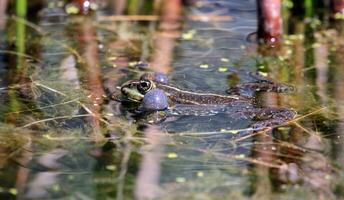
x: 53, y: 156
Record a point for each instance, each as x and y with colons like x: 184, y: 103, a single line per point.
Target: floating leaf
x: 222, y: 69
x: 172, y: 155
x: 225, y: 60
x: 204, y: 66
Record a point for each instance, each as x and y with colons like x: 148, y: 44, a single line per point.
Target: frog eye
x: 144, y: 86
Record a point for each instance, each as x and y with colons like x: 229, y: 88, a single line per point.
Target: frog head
x: 143, y: 93
x: 135, y: 90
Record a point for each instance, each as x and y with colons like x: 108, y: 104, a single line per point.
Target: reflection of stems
x: 263, y: 184
x: 321, y: 67
x: 3, y: 7
x: 338, y: 62
x: 170, y: 23
x: 118, y: 6
x: 123, y: 172
x: 147, y: 181
x: 23, y: 172
x: 133, y: 7
x: 89, y: 70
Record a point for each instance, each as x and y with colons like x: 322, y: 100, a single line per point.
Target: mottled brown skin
x: 234, y: 94
x: 260, y: 87
x: 177, y: 95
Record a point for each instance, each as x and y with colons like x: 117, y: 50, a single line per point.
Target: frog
x: 151, y: 93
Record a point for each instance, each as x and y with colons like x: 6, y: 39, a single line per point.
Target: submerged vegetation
x: 62, y: 136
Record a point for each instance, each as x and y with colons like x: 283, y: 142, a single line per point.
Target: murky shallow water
x: 47, y: 148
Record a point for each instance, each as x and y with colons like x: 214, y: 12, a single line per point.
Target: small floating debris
x: 188, y: 35
x: 56, y: 188
x: 226, y: 60
x: 13, y: 191
x: 72, y: 9
x: 204, y: 66
x: 172, y: 155
x: 200, y: 174
x: 240, y: 156
x: 339, y: 16
x: 132, y: 64
x: 112, y: 58
x: 222, y: 69
x: 265, y: 74
x: 111, y: 167
x: 261, y: 67
x: 229, y: 131
x: 180, y: 180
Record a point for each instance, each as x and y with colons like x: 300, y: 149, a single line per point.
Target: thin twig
x: 203, y: 18
x: 54, y: 118
x: 19, y: 54
x: 44, y: 107
x: 63, y: 94
x: 306, y: 115
x: 30, y: 24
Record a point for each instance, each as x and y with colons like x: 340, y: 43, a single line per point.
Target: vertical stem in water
x: 269, y: 21
x: 16, y: 72
x: 337, y: 7
x: 133, y: 7
x: 309, y: 8
x: 21, y: 9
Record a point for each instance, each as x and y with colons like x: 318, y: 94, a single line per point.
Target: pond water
x: 62, y: 138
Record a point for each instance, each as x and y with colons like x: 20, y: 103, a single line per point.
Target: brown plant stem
x: 3, y: 8
x: 163, y: 43
x: 337, y: 6
x: 89, y: 70
x: 321, y: 66
x: 23, y: 172
x: 147, y: 182
x: 269, y: 20
x: 118, y: 6
x: 204, y: 18
x: 84, y: 6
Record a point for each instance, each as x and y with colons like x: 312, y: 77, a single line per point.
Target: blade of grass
x: 21, y: 9
x: 309, y: 8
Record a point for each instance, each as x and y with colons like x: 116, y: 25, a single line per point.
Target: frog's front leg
x: 267, y: 117
x: 259, y: 84
x: 270, y: 117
